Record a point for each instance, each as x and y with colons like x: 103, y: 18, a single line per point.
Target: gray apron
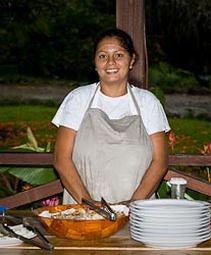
x: 111, y: 155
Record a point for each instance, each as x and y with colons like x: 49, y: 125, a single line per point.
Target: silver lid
x: 178, y: 180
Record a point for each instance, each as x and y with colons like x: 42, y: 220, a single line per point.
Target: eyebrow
x: 102, y: 51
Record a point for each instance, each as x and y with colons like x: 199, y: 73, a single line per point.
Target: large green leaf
x: 5, y: 191
x: 34, y: 175
x: 4, y: 169
x: 164, y: 190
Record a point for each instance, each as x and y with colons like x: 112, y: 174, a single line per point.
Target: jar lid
x: 177, y: 180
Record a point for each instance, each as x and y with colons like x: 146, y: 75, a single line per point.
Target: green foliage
x: 8, y: 184
x: 178, y: 31
x: 32, y: 144
x: 30, y: 175
x: 52, y: 38
x: 163, y: 190
x: 171, y: 79
x: 33, y: 175
x: 27, y: 113
x: 158, y: 92
x: 191, y: 133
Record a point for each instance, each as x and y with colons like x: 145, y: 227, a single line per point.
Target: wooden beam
x: 32, y: 195
x: 53, y: 188
x: 26, y: 159
x: 190, y: 160
x: 130, y: 17
x: 193, y: 183
x: 46, y: 159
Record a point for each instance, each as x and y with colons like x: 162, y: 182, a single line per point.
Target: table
x: 120, y: 244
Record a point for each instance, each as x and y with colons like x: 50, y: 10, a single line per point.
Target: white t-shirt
x: 74, y: 106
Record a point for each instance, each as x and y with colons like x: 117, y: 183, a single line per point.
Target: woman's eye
x: 102, y: 56
x: 118, y: 55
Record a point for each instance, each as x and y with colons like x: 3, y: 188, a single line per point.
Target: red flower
x: 206, y: 149
x: 172, y: 140
x: 50, y: 201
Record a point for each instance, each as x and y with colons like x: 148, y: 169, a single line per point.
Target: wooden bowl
x: 79, y: 229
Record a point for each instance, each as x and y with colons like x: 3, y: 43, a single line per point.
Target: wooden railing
x: 55, y: 187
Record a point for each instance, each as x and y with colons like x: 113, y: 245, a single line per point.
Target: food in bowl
x: 83, y: 213
x: 79, y: 222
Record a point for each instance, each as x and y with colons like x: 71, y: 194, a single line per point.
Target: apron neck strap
x: 134, y: 100
x: 92, y: 99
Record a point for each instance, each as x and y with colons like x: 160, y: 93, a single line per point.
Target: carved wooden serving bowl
x: 79, y: 229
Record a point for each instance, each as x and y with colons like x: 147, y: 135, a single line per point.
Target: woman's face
x: 112, y: 61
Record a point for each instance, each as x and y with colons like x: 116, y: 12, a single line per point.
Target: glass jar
x: 178, y: 186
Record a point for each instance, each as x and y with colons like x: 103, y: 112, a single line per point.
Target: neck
x: 113, y: 90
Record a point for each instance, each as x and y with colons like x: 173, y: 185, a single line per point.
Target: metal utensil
x: 29, y: 224
x: 106, y: 206
x: 103, y: 210
x: 38, y: 240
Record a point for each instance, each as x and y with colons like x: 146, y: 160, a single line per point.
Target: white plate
x: 169, y: 220
x: 168, y: 214
x: 19, y: 229
x: 171, y: 209
x: 166, y: 203
x: 172, y: 235
x: 165, y: 240
x: 193, y: 211
x: 9, y: 241
x: 169, y: 245
x: 173, y: 205
x: 168, y: 217
x: 169, y: 229
x: 178, y: 228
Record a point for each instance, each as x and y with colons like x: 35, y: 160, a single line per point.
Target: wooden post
x: 131, y: 18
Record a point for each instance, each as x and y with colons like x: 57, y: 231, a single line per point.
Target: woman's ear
x: 132, y: 62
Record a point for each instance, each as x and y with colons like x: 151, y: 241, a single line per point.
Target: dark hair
x: 124, y: 39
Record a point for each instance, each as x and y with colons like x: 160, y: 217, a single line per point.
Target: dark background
x: 54, y: 38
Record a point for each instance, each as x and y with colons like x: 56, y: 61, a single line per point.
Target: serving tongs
x: 104, y: 210
x: 38, y: 239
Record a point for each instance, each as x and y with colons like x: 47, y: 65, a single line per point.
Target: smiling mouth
x: 111, y: 71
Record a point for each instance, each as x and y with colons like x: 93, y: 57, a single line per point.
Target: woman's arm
x: 65, y: 166
x: 156, y: 170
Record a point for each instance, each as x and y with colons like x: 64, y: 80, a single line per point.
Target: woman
x: 111, y: 139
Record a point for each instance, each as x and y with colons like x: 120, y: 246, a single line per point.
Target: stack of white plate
x: 170, y: 223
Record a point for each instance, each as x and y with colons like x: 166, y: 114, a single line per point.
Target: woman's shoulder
x: 84, y: 91
x: 144, y: 95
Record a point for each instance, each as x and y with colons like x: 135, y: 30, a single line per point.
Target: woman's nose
x: 111, y: 60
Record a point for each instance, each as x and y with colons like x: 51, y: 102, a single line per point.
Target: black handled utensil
x: 38, y: 240
x: 106, y: 213
x: 7, y: 231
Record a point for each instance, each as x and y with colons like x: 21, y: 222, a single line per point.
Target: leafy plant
x: 19, y: 178
x: 171, y: 79
x: 32, y: 143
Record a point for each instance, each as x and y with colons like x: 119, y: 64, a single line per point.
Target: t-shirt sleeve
x: 154, y: 116
x: 70, y: 112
